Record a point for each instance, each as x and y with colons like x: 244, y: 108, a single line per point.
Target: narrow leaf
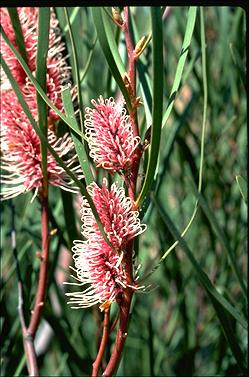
x: 181, y: 62
x: 76, y: 68
x: 79, y: 146
x: 41, y: 77
x: 242, y: 183
x: 157, y: 80
x: 18, y: 32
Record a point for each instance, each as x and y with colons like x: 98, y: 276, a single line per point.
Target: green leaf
x: 41, y: 77
x: 76, y: 69
x: 181, y: 62
x: 110, y: 50
x: 79, y: 146
x: 18, y: 32
x: 88, y: 63
x: 242, y: 183
x: 157, y: 99
x: 36, y: 84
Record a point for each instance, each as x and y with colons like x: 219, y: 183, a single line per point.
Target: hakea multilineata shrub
x: 21, y: 168
x: 110, y: 135
x: 98, y: 265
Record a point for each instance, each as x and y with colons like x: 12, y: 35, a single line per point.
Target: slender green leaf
x: 72, y: 18
x: 41, y: 77
x: 110, y: 50
x: 79, y: 146
x: 20, y: 366
x: 76, y: 69
x: 242, y: 183
x: 18, y: 32
x: 228, y: 330
x: 36, y: 84
x: 181, y: 62
x: 88, y: 63
x: 157, y: 80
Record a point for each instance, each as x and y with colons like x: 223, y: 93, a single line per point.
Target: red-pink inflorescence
x: 21, y: 167
x: 110, y: 135
x: 98, y: 265
x: 58, y: 72
x: 21, y: 153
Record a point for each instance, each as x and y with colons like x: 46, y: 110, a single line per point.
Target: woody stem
x: 103, y: 343
x: 41, y: 289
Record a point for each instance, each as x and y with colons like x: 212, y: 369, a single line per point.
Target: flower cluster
x: 58, y: 72
x: 98, y: 265
x: 20, y: 145
x: 110, y: 136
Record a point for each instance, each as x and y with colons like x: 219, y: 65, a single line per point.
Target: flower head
x: 97, y: 264
x: 111, y: 140
x: 21, y: 153
x: 58, y: 72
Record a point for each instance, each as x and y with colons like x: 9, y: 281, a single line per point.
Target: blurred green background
x: 174, y: 329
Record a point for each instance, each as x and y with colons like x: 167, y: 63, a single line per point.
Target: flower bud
x: 117, y: 17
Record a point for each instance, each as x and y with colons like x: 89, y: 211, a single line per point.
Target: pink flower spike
x: 111, y: 140
x: 97, y: 265
x: 121, y: 222
x: 21, y: 154
x: 101, y: 269
x: 58, y: 72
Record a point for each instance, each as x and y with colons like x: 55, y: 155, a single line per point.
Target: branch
x: 41, y: 289
x: 103, y: 344
x: 131, y: 70
x: 121, y: 333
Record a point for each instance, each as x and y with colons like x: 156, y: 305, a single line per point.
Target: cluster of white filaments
x: 98, y: 265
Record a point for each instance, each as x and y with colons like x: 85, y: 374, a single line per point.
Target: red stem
x: 103, y: 344
x: 28, y: 341
x: 121, y: 333
x: 41, y: 289
x: 130, y: 48
x: 131, y: 180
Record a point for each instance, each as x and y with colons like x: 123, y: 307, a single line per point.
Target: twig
x: 121, y: 333
x: 41, y: 289
x: 103, y: 343
x: 130, y: 49
x: 131, y: 69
